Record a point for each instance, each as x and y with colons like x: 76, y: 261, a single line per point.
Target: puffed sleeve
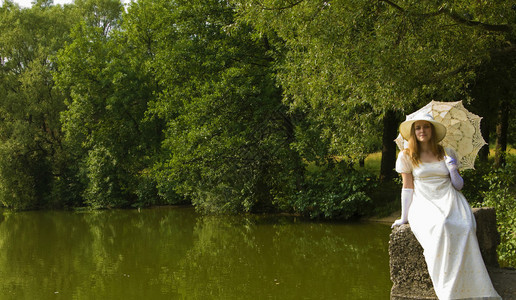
x: 403, y: 163
x: 452, y: 153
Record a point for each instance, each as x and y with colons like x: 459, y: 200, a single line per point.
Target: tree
x: 226, y: 136
x: 104, y: 73
x: 389, y: 57
x: 32, y: 158
x: 494, y: 91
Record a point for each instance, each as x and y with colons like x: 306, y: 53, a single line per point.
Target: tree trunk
x: 361, y: 162
x: 483, y: 154
x: 501, y: 134
x: 390, y: 131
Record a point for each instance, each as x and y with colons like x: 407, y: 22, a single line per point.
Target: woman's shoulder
x: 404, y: 154
x: 404, y: 163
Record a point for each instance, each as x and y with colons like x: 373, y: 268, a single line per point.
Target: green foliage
x: 30, y: 131
x: 348, y: 62
x: 13, y: 186
x: 106, y: 76
x: 225, y: 103
x: 335, y: 191
x: 226, y: 141
x: 489, y: 187
x: 475, y: 183
x: 501, y: 195
x: 149, y: 192
x: 146, y: 192
x: 104, y: 189
x: 67, y: 188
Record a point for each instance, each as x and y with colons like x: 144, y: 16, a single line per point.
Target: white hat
x: 440, y: 129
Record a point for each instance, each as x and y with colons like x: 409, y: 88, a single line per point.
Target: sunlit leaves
x: 358, y: 59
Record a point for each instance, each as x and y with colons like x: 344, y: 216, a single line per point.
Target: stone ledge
x: 409, y: 273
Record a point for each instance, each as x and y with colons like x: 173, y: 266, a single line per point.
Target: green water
x: 172, y: 253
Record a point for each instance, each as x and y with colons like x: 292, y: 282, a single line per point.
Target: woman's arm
x: 408, y: 180
x: 406, y: 198
x: 456, y: 179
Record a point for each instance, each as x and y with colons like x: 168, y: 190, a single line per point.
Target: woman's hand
x: 451, y: 163
x: 399, y: 222
x: 456, y: 179
x: 406, y: 200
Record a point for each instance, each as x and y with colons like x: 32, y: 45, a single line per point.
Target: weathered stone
x: 504, y: 282
x: 409, y: 272
x: 487, y: 234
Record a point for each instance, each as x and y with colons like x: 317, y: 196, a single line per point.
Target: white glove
x: 451, y: 163
x: 406, y: 200
x: 456, y: 179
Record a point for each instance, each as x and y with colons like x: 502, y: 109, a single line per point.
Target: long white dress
x: 443, y: 223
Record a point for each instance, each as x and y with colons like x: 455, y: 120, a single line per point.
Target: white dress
x: 443, y: 223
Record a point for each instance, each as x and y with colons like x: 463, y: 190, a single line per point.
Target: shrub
x: 104, y: 188
x: 335, y: 191
x: 501, y: 195
x: 474, y: 183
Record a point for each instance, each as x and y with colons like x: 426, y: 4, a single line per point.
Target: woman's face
x: 423, y: 131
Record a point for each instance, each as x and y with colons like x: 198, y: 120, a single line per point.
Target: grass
x: 373, y: 162
x: 510, y: 151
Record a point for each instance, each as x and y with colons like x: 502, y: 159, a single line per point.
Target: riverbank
x: 387, y: 219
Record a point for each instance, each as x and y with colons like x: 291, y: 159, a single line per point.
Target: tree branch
x: 282, y: 7
x: 488, y: 27
x: 454, y: 16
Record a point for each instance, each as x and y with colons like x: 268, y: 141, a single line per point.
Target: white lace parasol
x: 462, y: 130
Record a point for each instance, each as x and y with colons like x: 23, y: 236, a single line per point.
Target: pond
x: 174, y: 253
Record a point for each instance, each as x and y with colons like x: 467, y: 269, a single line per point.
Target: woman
x: 438, y: 213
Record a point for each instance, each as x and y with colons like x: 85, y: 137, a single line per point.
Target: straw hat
x: 440, y: 129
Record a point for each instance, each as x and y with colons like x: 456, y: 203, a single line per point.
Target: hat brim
x: 440, y: 129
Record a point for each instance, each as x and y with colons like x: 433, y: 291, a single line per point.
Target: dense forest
x: 238, y: 106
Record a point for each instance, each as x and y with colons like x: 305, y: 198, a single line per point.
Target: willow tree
x: 356, y: 67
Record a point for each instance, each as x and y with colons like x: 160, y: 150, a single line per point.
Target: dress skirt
x: 443, y: 223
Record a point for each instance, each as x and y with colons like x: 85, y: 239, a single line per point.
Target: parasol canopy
x: 462, y: 127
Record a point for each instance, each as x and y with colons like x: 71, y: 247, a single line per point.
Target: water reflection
x: 171, y: 253
x: 285, y: 260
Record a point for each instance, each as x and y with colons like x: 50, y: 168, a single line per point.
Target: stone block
x: 409, y: 273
